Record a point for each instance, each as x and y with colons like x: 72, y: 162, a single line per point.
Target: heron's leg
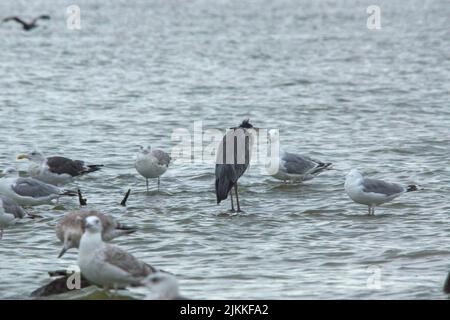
x: 370, y: 210
x: 146, y: 182
x: 158, y: 183
x: 231, y: 197
x: 237, y: 197
x: 1, y: 234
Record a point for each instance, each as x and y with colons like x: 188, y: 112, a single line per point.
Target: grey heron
x: 233, y: 158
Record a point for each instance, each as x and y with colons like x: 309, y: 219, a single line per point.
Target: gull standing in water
x: 106, y: 265
x: 10, y: 211
x: 29, y: 191
x: 69, y: 228
x: 56, y: 170
x: 233, y: 158
x: 291, y: 166
x: 372, y: 192
x: 12, y: 207
x: 163, y: 286
x: 151, y: 163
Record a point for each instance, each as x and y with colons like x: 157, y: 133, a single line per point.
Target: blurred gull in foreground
x: 29, y: 191
x: 106, y: 265
x: 55, y: 170
x: 151, y: 163
x: 372, y: 192
x: 69, y: 228
x: 163, y: 286
x: 291, y: 166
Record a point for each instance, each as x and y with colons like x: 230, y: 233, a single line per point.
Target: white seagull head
x: 145, y: 150
x: 35, y: 156
x: 163, y: 286
x: 92, y: 224
x: 353, y: 175
x: 72, y: 238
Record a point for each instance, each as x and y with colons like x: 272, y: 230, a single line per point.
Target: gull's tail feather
x: 127, y: 229
x: 321, y: 167
x: 123, y: 203
x: 411, y: 187
x: 69, y: 193
x: 92, y: 168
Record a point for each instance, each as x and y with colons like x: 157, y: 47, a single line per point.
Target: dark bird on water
x: 233, y: 158
x: 56, y: 170
x: 28, y: 25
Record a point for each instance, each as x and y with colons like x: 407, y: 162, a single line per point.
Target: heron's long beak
x: 22, y: 156
x: 63, y: 250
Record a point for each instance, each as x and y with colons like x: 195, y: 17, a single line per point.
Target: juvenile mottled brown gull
x: 106, y: 265
x: 372, y: 192
x: 291, y: 166
x: 151, y: 163
x: 69, y: 228
x: 55, y: 170
x: 29, y: 191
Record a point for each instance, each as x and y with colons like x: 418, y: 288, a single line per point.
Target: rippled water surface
x: 373, y: 99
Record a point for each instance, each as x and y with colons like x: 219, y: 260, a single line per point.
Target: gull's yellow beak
x: 22, y: 156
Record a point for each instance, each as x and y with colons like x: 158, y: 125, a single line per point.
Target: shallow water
x: 373, y: 99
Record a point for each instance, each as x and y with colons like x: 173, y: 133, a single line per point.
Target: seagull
x: 12, y: 207
x: 373, y: 192
x: 10, y: 211
x: 27, y: 25
x: 29, y: 191
x: 163, y: 286
x: 69, y: 231
x: 151, y: 163
x: 106, y: 265
x: 294, y: 167
x: 55, y: 170
x: 230, y: 167
x: 59, y: 285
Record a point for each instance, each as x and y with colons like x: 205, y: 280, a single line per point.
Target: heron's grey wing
x: 29, y: 187
x: 382, y: 187
x: 125, y: 261
x: 163, y: 157
x: 297, y: 164
x: 62, y: 165
x: 10, y: 206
